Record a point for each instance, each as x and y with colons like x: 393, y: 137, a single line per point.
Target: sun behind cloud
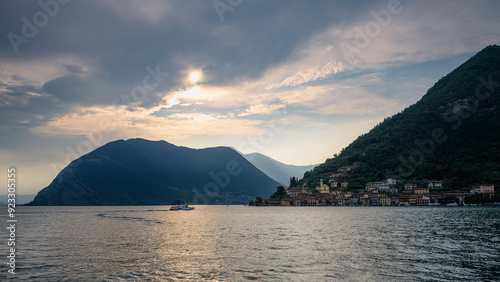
x: 194, y: 76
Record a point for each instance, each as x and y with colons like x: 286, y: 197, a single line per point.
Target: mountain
x: 142, y: 172
x: 277, y: 170
x: 451, y: 134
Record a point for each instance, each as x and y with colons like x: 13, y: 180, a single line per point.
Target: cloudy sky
x: 295, y: 80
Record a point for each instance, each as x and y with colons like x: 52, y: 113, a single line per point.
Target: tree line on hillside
x: 451, y: 134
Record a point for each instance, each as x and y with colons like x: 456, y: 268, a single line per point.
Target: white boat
x: 181, y: 207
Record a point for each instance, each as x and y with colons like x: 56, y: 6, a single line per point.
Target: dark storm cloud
x: 22, y: 107
x: 109, y: 44
x: 119, y: 41
x: 74, y: 69
x: 67, y: 89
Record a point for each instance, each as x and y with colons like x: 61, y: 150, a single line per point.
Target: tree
x: 448, y: 200
x: 280, y: 190
x: 429, y: 139
x: 258, y: 201
x: 279, y: 194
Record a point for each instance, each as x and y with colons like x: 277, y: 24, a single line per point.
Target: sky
x: 294, y: 80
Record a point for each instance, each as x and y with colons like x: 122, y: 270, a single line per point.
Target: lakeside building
x: 384, y: 186
x: 392, y: 181
x: 323, y: 188
x: 384, y: 201
x: 475, y: 190
x: 433, y: 184
x: 375, y: 195
x: 423, y: 201
x: 373, y: 185
x: 295, y: 191
x: 487, y: 189
x: 459, y: 194
x: 344, y: 168
x: 410, y: 186
x: 421, y: 191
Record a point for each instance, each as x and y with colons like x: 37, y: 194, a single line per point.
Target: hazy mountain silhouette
x: 277, y: 170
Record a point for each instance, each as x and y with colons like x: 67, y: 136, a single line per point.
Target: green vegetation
x: 279, y: 194
x: 448, y: 200
x: 293, y: 181
x: 481, y: 199
x: 276, y: 196
x: 257, y: 202
x: 451, y: 134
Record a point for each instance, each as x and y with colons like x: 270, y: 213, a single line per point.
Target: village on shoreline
x: 380, y: 193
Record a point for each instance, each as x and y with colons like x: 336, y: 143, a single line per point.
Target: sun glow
x: 194, y: 77
x: 193, y: 94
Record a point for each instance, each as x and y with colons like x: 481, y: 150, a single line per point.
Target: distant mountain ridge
x: 277, y: 170
x: 452, y: 133
x: 143, y: 172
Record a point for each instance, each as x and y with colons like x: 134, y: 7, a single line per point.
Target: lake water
x: 234, y: 243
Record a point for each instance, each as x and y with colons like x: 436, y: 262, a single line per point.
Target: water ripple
x: 268, y: 243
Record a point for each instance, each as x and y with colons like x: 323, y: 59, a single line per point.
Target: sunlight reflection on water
x: 261, y: 243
